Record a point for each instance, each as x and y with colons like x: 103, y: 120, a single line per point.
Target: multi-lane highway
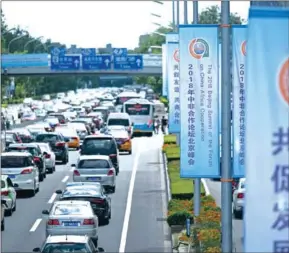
x: 138, y: 206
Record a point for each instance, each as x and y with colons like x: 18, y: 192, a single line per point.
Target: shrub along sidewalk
x: 206, y: 229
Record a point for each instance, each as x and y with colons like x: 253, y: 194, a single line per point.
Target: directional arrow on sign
x: 76, y: 63
x: 106, y: 62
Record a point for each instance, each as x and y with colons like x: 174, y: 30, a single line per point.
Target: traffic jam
x: 94, y: 125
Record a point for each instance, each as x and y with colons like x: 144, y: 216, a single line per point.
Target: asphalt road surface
x: 138, y: 206
x: 215, y: 190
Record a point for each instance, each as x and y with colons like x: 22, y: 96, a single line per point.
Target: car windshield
x: 3, y: 185
x: 118, y: 122
x: 70, y: 209
x: 46, y: 138
x: 13, y: 162
x: 31, y: 150
x: 97, y: 146
x: 65, y: 248
x: 80, y: 191
x: 99, y: 164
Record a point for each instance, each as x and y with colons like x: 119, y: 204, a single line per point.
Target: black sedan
x: 92, y: 192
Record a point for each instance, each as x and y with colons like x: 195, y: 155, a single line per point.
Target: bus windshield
x: 137, y: 109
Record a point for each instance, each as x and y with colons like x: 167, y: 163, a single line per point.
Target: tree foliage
x: 210, y: 15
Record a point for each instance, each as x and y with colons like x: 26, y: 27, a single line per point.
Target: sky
x: 94, y: 24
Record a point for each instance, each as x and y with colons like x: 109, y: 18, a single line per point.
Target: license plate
x: 11, y: 176
x: 71, y: 223
x: 94, y: 178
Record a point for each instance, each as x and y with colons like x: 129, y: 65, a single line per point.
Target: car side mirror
x: 45, y: 153
x: 36, y: 250
x: 100, y: 249
x: 15, y: 185
x: 66, y: 139
x: 58, y: 191
x: 45, y: 212
x: 73, y: 165
x: 132, y: 124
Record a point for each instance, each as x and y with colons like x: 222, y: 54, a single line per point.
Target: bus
x: 141, y: 113
x: 125, y: 96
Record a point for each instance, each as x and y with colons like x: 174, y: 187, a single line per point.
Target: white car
x: 239, y: 199
x: 49, y: 156
x: 29, y: 117
x: 8, y: 194
x: 21, y: 169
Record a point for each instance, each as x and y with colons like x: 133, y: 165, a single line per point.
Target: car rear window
x: 118, y: 122
x: 46, y: 138
x: 31, y: 150
x: 70, y: 209
x: 102, y: 146
x: 14, y: 162
x: 65, y: 247
x: 91, y: 164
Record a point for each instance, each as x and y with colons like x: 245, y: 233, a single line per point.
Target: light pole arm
x: 17, y: 38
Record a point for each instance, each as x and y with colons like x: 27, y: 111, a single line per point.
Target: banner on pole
x: 164, y: 70
x: 199, y: 46
x: 174, y: 86
x: 239, y: 41
x: 267, y: 131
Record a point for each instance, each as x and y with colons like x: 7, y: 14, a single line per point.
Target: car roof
x: 29, y: 145
x: 93, y: 157
x: 20, y: 154
x: 99, y: 136
x: 118, y: 115
x: 67, y: 238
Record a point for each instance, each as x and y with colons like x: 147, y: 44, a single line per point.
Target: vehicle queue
x: 99, y: 133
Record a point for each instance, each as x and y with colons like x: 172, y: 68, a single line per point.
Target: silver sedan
x: 95, y: 168
x: 72, y: 218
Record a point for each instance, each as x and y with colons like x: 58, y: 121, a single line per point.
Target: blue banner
x: 24, y: 60
x: 239, y: 37
x: 199, y: 53
x: 267, y: 131
x: 174, y: 86
x: 164, y: 70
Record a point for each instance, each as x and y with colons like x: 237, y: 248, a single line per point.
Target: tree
x: 210, y: 15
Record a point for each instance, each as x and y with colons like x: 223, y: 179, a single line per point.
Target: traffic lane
x: 16, y: 237
x: 215, y: 189
x: 147, y: 229
x: 109, y: 235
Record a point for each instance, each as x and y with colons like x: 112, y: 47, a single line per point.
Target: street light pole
x: 39, y: 45
x: 173, y: 15
x: 30, y: 41
x: 17, y: 38
x: 10, y: 30
x: 197, y: 181
x: 178, y: 15
x: 185, y: 12
x: 226, y: 170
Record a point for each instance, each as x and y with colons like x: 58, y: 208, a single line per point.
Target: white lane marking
x: 51, y: 200
x: 206, y: 188
x: 35, y: 225
x: 128, y: 204
x: 64, y: 179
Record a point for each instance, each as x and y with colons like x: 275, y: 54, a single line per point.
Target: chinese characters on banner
x: 164, y: 70
x: 174, y: 86
x: 199, y: 55
x: 267, y: 132
x: 239, y: 98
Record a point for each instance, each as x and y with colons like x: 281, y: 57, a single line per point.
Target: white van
x: 120, y: 119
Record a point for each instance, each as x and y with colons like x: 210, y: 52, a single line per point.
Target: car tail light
x: 53, y: 222
x: 88, y: 222
x: 60, y: 144
x: 47, y: 156
x: 36, y: 159
x: 76, y: 173
x: 74, y: 138
x: 240, y: 195
x: 97, y: 201
x: 4, y: 193
x: 62, y: 121
x: 110, y: 172
x: 26, y: 171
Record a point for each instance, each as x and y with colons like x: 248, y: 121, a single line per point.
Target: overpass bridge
x: 41, y: 65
